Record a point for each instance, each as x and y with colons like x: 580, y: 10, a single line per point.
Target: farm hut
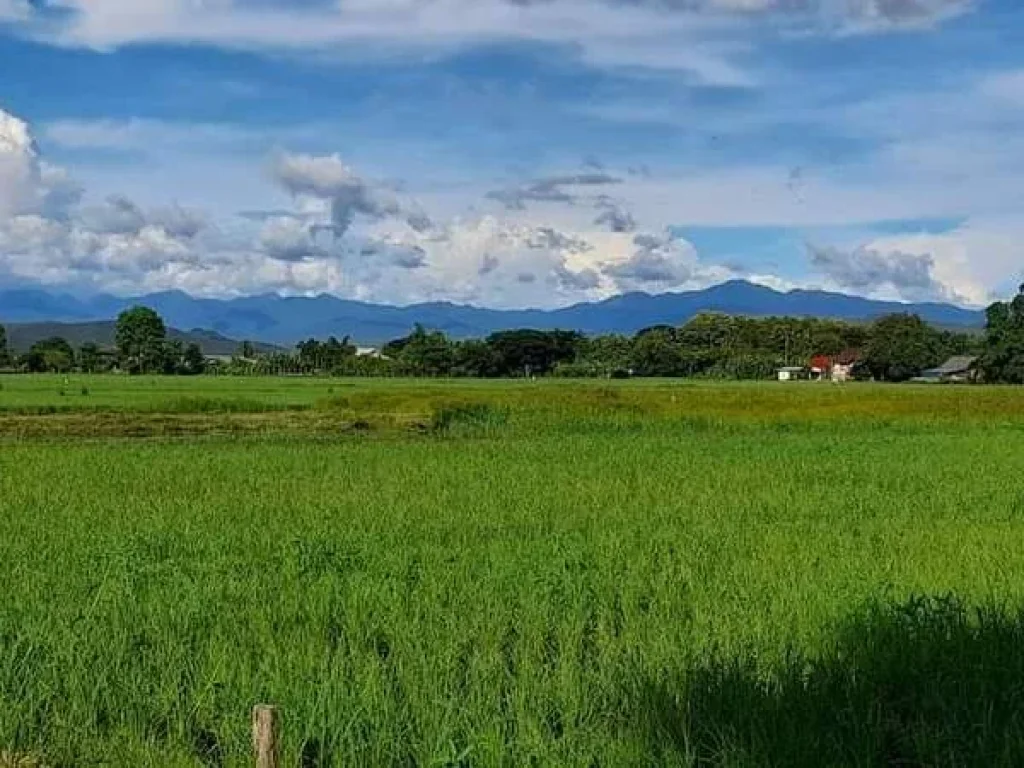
x: 836, y: 368
x: 791, y: 373
x: 842, y: 366
x: 821, y: 367
x: 956, y: 370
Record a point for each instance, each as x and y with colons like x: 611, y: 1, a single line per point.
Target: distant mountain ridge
x: 286, y: 320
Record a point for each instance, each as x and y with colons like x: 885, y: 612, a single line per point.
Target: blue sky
x: 512, y: 153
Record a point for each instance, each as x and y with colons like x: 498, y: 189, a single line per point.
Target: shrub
x: 450, y: 416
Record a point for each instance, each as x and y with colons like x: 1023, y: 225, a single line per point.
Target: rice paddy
x: 511, y: 573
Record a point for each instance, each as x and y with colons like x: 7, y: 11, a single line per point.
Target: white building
x: 791, y: 373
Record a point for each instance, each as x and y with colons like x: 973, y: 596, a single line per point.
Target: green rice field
x: 511, y: 573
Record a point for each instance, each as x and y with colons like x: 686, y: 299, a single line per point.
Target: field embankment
x: 112, y: 406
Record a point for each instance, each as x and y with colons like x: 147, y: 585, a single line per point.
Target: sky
x: 512, y: 153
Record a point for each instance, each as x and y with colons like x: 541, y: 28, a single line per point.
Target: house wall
x: 842, y: 372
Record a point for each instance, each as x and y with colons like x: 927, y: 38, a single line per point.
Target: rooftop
x: 958, y: 364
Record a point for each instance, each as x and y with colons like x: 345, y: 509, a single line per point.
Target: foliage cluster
x: 892, y: 348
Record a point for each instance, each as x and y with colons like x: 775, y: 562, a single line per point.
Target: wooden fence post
x: 266, y: 728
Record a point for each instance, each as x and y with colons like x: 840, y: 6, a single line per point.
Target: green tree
x: 901, y: 347
x: 52, y: 355
x: 475, y: 358
x: 310, y: 355
x: 1002, y: 360
x: 193, y: 361
x: 425, y: 353
x: 5, y: 355
x: 89, y: 358
x: 656, y: 352
x: 600, y: 356
x: 141, y: 337
x: 173, y: 354
x: 527, y: 352
x: 336, y: 353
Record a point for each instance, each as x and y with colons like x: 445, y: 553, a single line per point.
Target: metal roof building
x: 956, y: 369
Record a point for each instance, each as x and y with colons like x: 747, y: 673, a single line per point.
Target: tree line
x: 895, y: 347
x: 141, y: 346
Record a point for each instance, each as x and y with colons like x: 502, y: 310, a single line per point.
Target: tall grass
x: 595, y: 576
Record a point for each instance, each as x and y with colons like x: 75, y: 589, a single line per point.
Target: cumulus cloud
x: 346, y: 235
x: 507, y: 263
x: 19, y: 165
x: 50, y: 233
x: 393, y: 252
x: 613, y: 216
x: 979, y: 260
x: 909, y: 275
x: 327, y: 178
x: 488, y: 264
x: 179, y: 222
x: 58, y: 192
x: 549, y: 238
x: 349, y: 235
x: 119, y: 215
x: 47, y: 233
x: 583, y: 280
x: 287, y: 238
x: 116, y: 216
x: 658, y: 261
x: 60, y: 252
x: 409, y: 258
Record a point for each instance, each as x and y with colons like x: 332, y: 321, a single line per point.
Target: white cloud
x: 979, y: 260
x: 513, y: 262
x: 553, y: 249
x: 699, y: 37
x: 346, y: 235
x: 871, y: 270
x: 116, y: 216
x: 179, y: 222
x: 50, y: 251
x: 317, y: 176
x: 289, y: 238
x: 48, y: 234
x: 486, y: 260
x: 326, y: 178
x: 18, y: 164
x: 611, y: 34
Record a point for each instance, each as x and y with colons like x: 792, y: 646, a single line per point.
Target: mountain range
x: 286, y: 320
